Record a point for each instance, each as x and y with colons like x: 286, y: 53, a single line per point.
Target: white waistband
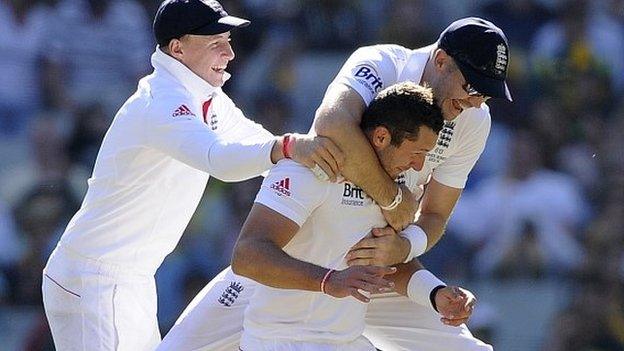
x: 64, y: 260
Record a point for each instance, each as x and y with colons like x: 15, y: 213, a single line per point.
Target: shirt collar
x: 415, y: 67
x: 191, y: 81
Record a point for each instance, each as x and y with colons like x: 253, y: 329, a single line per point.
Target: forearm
x: 403, y: 275
x: 266, y: 263
x: 338, y: 118
x: 233, y: 161
x: 434, y: 225
x: 277, y: 151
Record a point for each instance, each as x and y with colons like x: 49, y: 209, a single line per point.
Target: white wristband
x: 397, y: 201
x: 420, y: 286
x: 418, y: 241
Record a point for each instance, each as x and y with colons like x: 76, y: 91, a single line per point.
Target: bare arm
x: 453, y: 303
x: 338, y: 118
x: 258, y: 255
x: 435, y: 210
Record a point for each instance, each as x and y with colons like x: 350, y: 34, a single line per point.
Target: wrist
x: 420, y: 288
x: 324, y: 281
x: 432, y: 296
x: 398, y: 198
x: 287, y: 145
x: 417, y: 239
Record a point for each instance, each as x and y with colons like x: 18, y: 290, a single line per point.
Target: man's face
x: 409, y: 154
x: 451, y: 89
x: 205, y: 55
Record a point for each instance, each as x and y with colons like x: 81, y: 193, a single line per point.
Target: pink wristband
x: 325, y: 278
x: 286, y: 145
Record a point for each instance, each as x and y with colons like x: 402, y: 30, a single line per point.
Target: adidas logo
x: 282, y: 187
x: 182, y: 111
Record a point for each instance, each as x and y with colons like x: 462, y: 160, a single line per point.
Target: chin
x: 217, y: 83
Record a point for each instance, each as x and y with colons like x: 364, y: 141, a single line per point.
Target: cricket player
x: 152, y: 168
x: 296, y: 237
x: 465, y: 67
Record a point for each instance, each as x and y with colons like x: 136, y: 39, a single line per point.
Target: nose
x: 418, y: 162
x: 476, y: 101
x: 229, y: 52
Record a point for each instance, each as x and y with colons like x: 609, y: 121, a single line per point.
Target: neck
x: 428, y: 71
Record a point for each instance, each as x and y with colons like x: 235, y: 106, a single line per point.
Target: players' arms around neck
x: 258, y: 255
x: 338, y: 118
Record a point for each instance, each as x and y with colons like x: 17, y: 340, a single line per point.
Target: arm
x: 384, y: 248
x: 435, y: 210
x: 453, y: 303
x: 338, y: 118
x: 258, y: 255
x: 241, y: 151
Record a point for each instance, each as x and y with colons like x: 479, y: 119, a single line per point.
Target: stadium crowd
x: 541, y: 221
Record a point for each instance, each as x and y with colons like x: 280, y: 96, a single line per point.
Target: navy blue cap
x: 176, y: 18
x: 481, y: 52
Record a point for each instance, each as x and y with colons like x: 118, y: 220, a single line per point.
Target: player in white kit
x: 152, y: 168
x: 298, y: 232
x: 464, y: 68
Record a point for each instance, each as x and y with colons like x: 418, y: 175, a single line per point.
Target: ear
x: 440, y: 58
x: 175, y: 48
x: 381, y: 137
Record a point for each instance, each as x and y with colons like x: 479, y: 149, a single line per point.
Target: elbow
x: 322, y: 122
x: 231, y: 177
x: 240, y: 259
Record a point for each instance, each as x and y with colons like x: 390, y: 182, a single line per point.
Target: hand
x: 311, y: 150
x: 384, y: 248
x: 455, y: 304
x: 367, y: 278
x: 405, y: 213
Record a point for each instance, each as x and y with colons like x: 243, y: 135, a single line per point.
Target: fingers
x: 325, y: 167
x: 361, y: 253
x: 366, y: 243
x: 380, y: 271
x: 379, y: 232
x: 335, y: 152
x: 362, y: 257
x: 374, y: 286
x: 326, y: 154
x: 360, y: 262
x: 454, y: 322
x: 355, y: 293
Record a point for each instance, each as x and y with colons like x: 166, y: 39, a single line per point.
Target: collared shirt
x: 332, y: 218
x: 371, y: 69
x: 154, y: 163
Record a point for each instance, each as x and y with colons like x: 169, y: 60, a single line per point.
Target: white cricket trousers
x: 213, y: 321
x: 250, y: 343
x: 96, y: 306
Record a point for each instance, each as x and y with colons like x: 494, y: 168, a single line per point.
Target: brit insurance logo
x: 282, y: 187
x: 368, y: 77
x: 353, y: 195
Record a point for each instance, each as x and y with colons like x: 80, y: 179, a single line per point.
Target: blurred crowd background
x: 537, y: 235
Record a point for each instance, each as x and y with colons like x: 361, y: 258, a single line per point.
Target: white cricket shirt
x: 154, y: 163
x: 373, y: 68
x: 332, y: 218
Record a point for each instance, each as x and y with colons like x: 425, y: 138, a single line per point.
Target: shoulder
x: 167, y: 96
x: 296, y: 171
x: 381, y: 53
x: 476, y: 120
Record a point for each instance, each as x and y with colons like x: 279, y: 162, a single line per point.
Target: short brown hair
x: 402, y: 108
